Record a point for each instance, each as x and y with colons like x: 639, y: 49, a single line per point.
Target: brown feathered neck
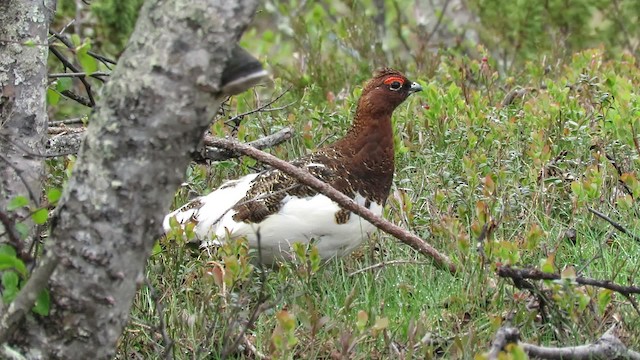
x: 372, y: 121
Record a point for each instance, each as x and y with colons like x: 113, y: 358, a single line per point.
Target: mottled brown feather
x: 361, y: 162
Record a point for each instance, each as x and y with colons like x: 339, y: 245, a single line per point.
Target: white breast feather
x: 298, y: 220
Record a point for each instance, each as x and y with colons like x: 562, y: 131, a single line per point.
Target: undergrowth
x: 500, y: 161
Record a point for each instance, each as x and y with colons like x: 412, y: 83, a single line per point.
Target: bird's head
x: 385, y: 91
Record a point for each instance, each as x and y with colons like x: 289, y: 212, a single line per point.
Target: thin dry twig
x: 67, y: 42
x: 71, y: 121
x: 264, y: 108
x: 54, y: 130
x: 385, y: 263
x: 162, y: 325
x: 344, y: 201
x: 438, y: 22
x: 32, y: 196
x: 535, y: 274
x: 14, y: 238
x: 96, y: 74
x: 217, y: 154
x: 608, y: 346
x: 68, y: 64
x: 618, y: 227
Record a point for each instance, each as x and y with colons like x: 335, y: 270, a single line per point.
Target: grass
x: 530, y: 169
x: 527, y: 169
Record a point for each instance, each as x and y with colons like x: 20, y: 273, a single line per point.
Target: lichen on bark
x: 152, y: 114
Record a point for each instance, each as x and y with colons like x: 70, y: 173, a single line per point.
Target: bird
x: 273, y: 210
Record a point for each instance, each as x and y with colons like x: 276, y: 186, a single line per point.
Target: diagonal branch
x: 618, y: 227
x: 306, y: 178
x: 535, y: 274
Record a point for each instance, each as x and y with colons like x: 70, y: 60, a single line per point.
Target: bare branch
x: 70, y: 65
x: 14, y: 238
x: 386, y: 263
x: 607, y: 347
x: 68, y: 141
x: 504, y: 336
x: 306, y: 178
x: 264, y: 108
x: 96, y: 75
x: 535, y: 274
x: 77, y: 98
x: 618, y: 227
x: 32, y: 196
x: 71, y: 121
x: 217, y: 154
x: 56, y: 130
x: 67, y: 42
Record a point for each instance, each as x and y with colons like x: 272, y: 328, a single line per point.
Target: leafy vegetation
x: 511, y: 143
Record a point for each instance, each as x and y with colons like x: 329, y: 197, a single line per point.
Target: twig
x: 514, y: 94
x: 385, y: 263
x: 262, y: 108
x: 78, y: 120
x: 535, y: 274
x: 636, y: 142
x: 14, y: 238
x: 56, y: 130
x: 68, y: 141
x: 437, y: 25
x: 504, y: 336
x: 162, y: 325
x: 608, y: 346
x: 96, y: 74
x: 77, y: 98
x: 70, y: 65
x: 398, y: 29
x: 65, y: 40
x: 13, y: 314
x: 618, y: 227
x: 217, y: 154
x: 32, y: 196
x: 345, y: 202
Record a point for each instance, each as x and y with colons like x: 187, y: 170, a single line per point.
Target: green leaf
x: 75, y: 39
x: 157, y: 249
x: 53, y: 97
x: 7, y: 250
x: 63, y: 84
x: 604, y: 298
x: 17, y: 202
x: 43, y: 303
x: 40, y: 216
x: 88, y: 62
x: 53, y: 195
x: 10, y: 281
x: 12, y: 262
x: 30, y: 43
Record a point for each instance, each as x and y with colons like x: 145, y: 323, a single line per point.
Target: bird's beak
x: 415, y: 87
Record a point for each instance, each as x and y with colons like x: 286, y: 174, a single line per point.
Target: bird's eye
x: 396, y: 85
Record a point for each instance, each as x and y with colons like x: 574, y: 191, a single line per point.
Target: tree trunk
x: 152, y: 115
x: 24, y: 26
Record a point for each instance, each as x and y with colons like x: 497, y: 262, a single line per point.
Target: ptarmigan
x: 360, y: 165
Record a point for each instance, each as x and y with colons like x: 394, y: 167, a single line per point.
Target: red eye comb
x: 392, y: 79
